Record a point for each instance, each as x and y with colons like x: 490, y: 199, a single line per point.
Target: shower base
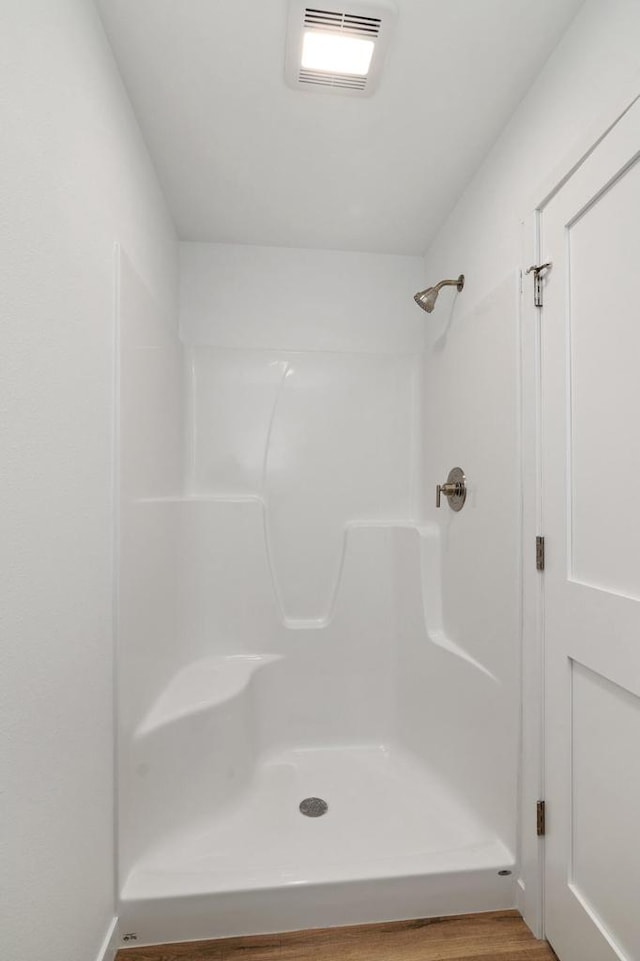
x: 395, y: 843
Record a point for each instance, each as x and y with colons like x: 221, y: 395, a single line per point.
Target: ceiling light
x: 339, y: 49
x: 336, y: 53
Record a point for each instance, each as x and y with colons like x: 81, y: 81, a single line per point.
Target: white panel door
x: 591, y: 511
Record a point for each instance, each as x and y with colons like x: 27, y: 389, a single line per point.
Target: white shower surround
x: 282, y: 620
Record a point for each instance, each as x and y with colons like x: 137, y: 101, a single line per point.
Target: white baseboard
x: 520, y: 889
x: 110, y: 944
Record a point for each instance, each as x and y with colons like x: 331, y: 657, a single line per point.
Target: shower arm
x: 458, y: 282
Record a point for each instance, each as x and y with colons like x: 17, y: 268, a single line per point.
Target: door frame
x: 530, y: 885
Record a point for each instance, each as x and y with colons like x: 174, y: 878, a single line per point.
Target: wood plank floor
x: 498, y: 936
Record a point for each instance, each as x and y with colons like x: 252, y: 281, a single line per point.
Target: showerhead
x: 426, y: 299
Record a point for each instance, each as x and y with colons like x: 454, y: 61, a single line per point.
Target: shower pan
x: 302, y: 743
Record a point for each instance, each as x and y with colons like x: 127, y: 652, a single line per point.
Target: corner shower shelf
x: 202, y: 685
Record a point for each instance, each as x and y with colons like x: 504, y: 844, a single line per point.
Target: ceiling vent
x: 338, y: 48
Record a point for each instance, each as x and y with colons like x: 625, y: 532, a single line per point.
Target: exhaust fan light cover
x: 338, y: 48
x: 336, y: 53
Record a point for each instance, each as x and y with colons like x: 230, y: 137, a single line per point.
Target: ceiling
x: 243, y: 158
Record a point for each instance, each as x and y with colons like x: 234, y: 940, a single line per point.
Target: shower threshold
x: 395, y: 842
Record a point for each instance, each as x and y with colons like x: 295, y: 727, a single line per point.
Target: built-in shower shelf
x: 202, y: 685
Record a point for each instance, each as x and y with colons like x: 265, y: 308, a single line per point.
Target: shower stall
x: 307, y: 734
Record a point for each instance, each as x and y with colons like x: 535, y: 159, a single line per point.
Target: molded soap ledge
x: 424, y: 556
x: 201, y: 685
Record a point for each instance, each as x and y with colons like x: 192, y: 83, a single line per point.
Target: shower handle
x: 454, y: 489
x: 447, y: 489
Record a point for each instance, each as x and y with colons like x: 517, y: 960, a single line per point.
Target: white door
x: 590, y: 443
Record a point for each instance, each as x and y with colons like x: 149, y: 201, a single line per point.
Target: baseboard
x: 520, y: 889
x: 110, y: 944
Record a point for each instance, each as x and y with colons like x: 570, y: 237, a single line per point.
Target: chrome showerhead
x: 426, y: 299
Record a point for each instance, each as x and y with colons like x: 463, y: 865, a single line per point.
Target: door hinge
x: 540, y: 552
x: 537, y: 270
x: 541, y: 818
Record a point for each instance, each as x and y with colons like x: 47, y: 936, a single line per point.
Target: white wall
x: 280, y: 297
x: 595, y: 60
x: 74, y: 178
x: 470, y: 381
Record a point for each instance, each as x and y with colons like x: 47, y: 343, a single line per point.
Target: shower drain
x: 313, y: 807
